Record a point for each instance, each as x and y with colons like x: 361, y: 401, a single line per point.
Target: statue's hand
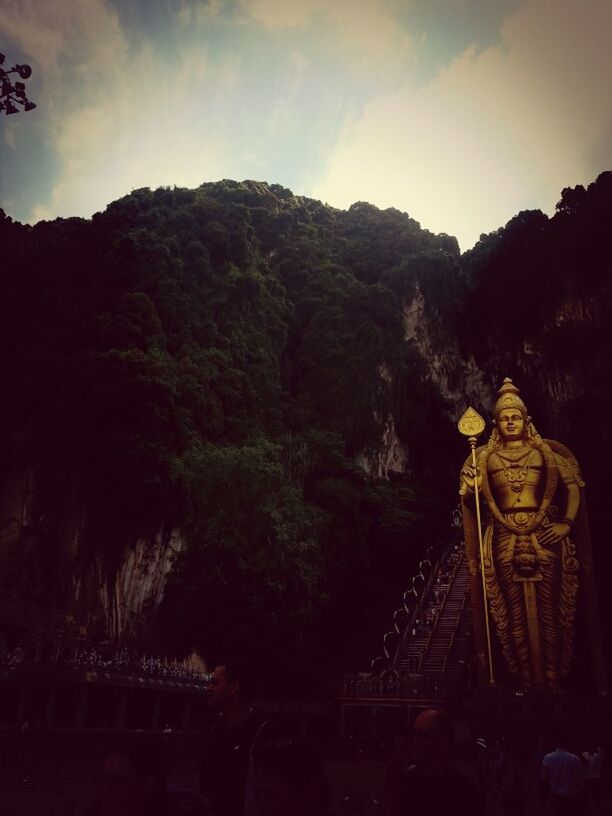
x: 554, y: 533
x: 469, y: 476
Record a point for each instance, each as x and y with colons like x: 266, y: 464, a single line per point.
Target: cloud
x: 208, y: 92
x: 495, y: 132
x: 117, y: 115
x: 319, y: 95
x: 282, y: 114
x: 130, y: 137
x: 11, y: 133
x: 282, y: 14
x: 370, y: 26
x: 191, y: 13
x: 85, y: 35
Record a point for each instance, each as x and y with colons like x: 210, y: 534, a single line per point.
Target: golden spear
x: 472, y: 425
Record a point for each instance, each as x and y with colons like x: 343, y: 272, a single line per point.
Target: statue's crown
x: 509, y: 398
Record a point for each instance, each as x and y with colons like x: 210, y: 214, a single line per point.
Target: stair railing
x: 452, y: 640
x: 442, y: 605
x: 419, y: 607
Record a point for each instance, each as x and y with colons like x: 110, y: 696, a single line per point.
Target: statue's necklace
x: 514, y: 471
x: 552, y: 475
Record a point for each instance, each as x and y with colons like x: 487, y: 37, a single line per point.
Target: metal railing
x: 391, y: 683
x: 120, y: 664
x: 442, y: 605
x: 452, y: 640
x: 398, y: 682
x: 418, y: 610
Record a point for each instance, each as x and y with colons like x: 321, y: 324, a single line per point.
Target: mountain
x: 229, y: 412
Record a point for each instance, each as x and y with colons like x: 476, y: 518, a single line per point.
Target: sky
x: 459, y: 112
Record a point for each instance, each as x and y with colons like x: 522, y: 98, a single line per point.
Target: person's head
x: 560, y: 736
x: 132, y: 778
x: 231, y: 680
x: 433, y: 733
x: 511, y: 424
x: 289, y: 780
x: 511, y: 419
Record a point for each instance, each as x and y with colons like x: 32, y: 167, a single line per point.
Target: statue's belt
x: 522, y: 517
x: 507, y: 546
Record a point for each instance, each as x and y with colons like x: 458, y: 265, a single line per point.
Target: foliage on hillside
x: 539, y: 308
x: 219, y: 359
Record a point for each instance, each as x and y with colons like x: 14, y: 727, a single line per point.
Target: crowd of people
x: 249, y: 767
x: 119, y: 662
x: 426, y: 620
x: 564, y: 783
x: 407, y: 678
x: 420, y: 775
x: 422, y: 603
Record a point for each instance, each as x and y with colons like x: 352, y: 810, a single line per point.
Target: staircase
x: 443, y: 635
x: 438, y: 650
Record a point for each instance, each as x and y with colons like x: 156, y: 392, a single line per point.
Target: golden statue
x: 529, y: 566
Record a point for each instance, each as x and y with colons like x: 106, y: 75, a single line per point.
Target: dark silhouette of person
x: 430, y: 784
x: 227, y: 766
x: 514, y: 780
x: 132, y: 782
x: 592, y: 776
x: 397, y: 760
x: 563, y: 777
x: 289, y: 780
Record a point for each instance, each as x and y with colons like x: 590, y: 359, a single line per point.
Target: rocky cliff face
x: 389, y: 455
x: 460, y: 380
x: 113, y: 600
x: 126, y: 599
x: 230, y: 319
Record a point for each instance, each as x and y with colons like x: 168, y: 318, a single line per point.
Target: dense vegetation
x: 540, y: 306
x: 218, y: 359
x: 227, y: 359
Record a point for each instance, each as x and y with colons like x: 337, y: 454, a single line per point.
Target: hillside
x: 229, y: 412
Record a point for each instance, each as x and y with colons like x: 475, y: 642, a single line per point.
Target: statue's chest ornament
x: 516, y: 468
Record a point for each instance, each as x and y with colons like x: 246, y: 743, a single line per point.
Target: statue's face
x: 511, y: 424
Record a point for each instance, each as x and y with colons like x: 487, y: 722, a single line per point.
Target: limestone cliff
x: 126, y: 598
x: 111, y: 598
x: 460, y: 380
x: 216, y: 372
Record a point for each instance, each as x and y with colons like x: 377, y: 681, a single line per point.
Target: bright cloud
x: 367, y: 28
x: 494, y: 133
x: 322, y: 96
x: 196, y: 13
x: 120, y: 118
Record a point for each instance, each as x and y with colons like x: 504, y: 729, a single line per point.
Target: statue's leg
x: 518, y: 634
x: 548, y: 592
